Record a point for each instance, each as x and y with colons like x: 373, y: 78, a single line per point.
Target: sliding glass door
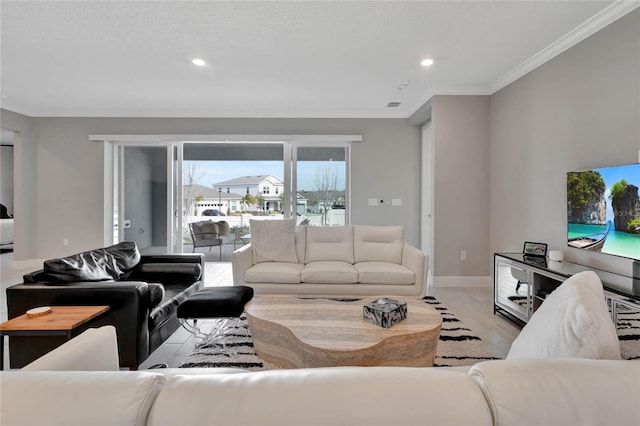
x: 143, y: 197
x: 159, y: 188
x: 233, y: 182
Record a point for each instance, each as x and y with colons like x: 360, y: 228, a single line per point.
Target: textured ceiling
x: 269, y: 58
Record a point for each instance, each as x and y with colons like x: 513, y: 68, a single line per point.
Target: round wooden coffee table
x: 292, y: 332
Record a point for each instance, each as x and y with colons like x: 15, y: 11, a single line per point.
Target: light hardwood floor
x: 473, y: 305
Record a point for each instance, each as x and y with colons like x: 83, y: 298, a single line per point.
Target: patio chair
x: 206, y: 234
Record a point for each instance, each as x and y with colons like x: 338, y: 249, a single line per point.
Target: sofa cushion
x: 329, y: 243
x: 156, y: 293
x: 533, y: 392
x: 168, y: 272
x: 274, y: 272
x: 78, y: 397
x: 378, y: 243
x: 329, y: 272
x: 384, y: 273
x: 174, y: 295
x: 95, y: 349
x: 273, y: 240
x: 301, y: 242
x: 223, y: 228
x: 573, y: 322
x: 370, y: 396
x: 209, y: 230
x: 109, y: 263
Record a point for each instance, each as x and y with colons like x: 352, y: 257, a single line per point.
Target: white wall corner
x: 479, y: 281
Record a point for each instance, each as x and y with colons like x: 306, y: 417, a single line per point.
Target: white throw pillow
x: 573, y: 322
x: 378, y: 243
x: 273, y: 240
x: 326, y: 243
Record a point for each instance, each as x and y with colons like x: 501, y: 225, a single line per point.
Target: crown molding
x: 578, y: 34
x: 605, y: 17
x: 71, y: 113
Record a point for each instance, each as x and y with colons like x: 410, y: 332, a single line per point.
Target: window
x: 321, y: 177
x: 311, y: 177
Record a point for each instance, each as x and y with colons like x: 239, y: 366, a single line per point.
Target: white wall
x: 6, y: 176
x: 25, y: 182
x: 581, y: 110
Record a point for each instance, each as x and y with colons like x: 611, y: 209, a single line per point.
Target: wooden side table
x: 62, y: 321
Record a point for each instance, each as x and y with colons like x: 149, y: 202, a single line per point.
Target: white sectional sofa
x: 344, y: 260
x: 517, y: 392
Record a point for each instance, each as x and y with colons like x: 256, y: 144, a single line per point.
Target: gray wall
x: 461, y: 185
x: 68, y: 171
x: 581, y: 110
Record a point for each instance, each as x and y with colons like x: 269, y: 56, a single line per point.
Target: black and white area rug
x: 458, y: 345
x: 627, y: 326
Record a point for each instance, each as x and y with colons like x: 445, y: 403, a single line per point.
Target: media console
x: 521, y: 284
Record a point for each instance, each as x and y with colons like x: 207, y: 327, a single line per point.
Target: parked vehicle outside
x: 212, y: 212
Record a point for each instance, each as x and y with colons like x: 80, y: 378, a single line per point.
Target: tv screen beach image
x: 603, y: 210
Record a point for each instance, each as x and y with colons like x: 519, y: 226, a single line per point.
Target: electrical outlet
x: 65, y: 242
x: 463, y: 255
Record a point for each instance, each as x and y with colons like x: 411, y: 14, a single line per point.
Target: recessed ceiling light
x: 427, y: 62
x: 199, y: 62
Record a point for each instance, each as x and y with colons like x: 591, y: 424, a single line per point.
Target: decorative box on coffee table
x: 385, y: 312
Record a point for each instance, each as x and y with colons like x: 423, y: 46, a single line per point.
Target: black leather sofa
x: 142, y: 292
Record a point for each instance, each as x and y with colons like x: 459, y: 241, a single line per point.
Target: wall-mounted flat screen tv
x: 603, y: 210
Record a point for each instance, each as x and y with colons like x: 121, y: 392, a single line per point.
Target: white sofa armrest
x: 416, y: 260
x: 560, y: 391
x: 96, y: 349
x: 241, y: 260
x: 40, y: 398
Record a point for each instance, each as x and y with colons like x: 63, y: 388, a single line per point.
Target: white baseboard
x: 463, y: 281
